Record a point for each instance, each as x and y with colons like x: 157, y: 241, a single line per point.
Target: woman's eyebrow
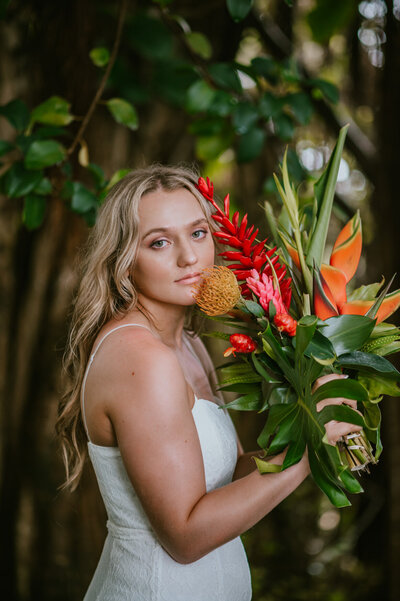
x: 168, y: 229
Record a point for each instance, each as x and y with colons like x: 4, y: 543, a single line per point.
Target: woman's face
x: 175, y: 245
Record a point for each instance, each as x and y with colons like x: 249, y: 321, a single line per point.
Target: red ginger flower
x: 241, y: 343
x: 248, y: 254
x: 285, y: 323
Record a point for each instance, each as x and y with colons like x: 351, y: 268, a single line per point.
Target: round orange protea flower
x: 218, y: 291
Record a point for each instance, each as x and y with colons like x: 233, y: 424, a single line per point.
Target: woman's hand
x: 334, y: 429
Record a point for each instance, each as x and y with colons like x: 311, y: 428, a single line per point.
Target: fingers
x: 327, y: 378
x: 335, y: 430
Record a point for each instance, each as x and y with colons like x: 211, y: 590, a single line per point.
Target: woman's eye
x: 158, y: 244
x: 199, y: 234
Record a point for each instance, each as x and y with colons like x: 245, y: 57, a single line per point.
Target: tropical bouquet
x: 294, y: 320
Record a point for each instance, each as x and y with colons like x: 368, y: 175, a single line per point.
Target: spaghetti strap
x: 125, y: 325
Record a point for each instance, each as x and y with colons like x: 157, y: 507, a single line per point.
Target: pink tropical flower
x: 266, y: 292
x: 264, y: 289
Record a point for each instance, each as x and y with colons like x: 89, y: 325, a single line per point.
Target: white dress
x: 133, y: 565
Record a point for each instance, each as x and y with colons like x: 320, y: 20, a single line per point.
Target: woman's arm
x: 148, y: 406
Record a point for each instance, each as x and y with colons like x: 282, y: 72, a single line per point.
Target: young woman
x: 178, y: 488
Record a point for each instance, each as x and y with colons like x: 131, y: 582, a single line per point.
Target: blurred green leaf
x: 244, y: 116
x: 267, y: 68
x: 199, y: 43
x: 284, y: 127
x: 270, y: 105
x: 250, y: 145
x: 118, y: 175
x: 211, y: 147
x: 150, y: 37
x: 53, y: 111
x: 207, y: 126
x: 199, y: 97
x: 44, y: 187
x: 301, y: 106
x: 82, y: 199
x: 328, y: 89
x: 97, y: 173
x: 123, y: 112
x: 16, y: 112
x: 367, y: 292
x: 5, y: 147
x: 330, y: 16
x: 100, y: 56
x: 17, y: 181
x: 222, y: 104
x: 172, y: 79
x: 44, y: 153
x: 239, y: 9
x: 296, y: 170
x: 226, y: 76
x: 34, y: 211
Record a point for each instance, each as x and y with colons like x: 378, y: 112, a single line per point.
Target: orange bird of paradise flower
x: 330, y: 282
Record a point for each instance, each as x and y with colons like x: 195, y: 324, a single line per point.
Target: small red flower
x: 285, y: 323
x: 206, y: 188
x: 241, y: 343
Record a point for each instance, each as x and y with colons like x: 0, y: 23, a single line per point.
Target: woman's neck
x: 166, y: 321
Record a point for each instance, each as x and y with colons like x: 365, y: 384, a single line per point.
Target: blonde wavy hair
x: 107, y: 292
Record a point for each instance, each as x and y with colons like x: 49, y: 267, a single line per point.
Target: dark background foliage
x: 90, y: 89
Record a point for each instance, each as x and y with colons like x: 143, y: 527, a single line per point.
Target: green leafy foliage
x: 199, y: 43
x: 100, y: 56
x: 18, y: 181
x: 250, y: 144
x: 34, y: 211
x: 239, y: 9
x: 54, y: 111
x: 123, y: 112
x: 16, y: 112
x: 329, y: 17
x: 226, y: 76
x: 44, y: 153
x: 347, y: 332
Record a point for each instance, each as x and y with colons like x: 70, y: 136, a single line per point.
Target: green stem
x: 304, y: 268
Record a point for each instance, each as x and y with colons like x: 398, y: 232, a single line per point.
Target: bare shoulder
x: 133, y: 363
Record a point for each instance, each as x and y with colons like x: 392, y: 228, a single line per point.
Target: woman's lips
x: 191, y: 278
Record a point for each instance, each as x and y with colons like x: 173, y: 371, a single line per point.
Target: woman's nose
x: 187, y: 255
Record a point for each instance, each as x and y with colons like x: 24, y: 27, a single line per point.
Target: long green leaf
x: 276, y: 415
x: 324, y: 192
x: 341, y: 388
x: 304, y: 332
x: 340, y: 413
x: 369, y: 362
x: 326, y: 483
x: 248, y: 402
x: 285, y: 433
x: 347, y: 332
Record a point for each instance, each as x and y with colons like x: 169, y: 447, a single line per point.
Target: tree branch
x: 106, y: 75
